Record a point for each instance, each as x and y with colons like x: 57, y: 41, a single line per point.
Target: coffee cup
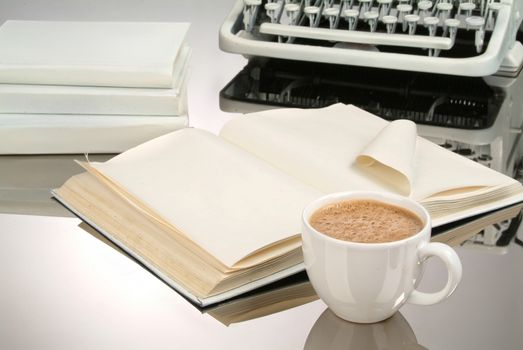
x: 369, y: 282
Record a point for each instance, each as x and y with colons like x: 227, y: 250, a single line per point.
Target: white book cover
x: 70, y: 134
x: 127, y: 54
x: 59, y: 99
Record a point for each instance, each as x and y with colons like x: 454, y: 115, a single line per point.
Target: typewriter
x: 451, y: 66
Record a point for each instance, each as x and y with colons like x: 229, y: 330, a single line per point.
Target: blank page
x: 320, y: 147
x: 223, y: 198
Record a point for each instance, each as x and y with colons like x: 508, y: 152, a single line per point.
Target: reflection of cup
x: 369, y: 282
x: 331, y: 333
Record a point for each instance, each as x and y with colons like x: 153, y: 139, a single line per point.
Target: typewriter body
x: 452, y: 66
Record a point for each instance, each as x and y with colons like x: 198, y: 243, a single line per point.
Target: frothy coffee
x: 366, y: 221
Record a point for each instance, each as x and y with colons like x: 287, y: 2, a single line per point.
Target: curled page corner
x: 389, y: 156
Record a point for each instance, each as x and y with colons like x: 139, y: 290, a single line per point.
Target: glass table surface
x: 63, y: 286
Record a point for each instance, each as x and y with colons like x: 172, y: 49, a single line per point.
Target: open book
x: 215, y: 216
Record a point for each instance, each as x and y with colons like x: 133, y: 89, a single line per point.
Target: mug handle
x: 453, y: 264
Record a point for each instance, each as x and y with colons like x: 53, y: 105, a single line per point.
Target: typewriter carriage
x: 500, y: 42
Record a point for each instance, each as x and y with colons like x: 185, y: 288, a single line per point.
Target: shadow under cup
x: 369, y: 282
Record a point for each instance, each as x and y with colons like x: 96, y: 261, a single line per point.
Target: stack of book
x: 90, y: 87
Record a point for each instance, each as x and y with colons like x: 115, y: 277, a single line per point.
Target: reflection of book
x: 21, y: 192
x: 290, y: 292
x: 218, y: 216
x: 455, y: 233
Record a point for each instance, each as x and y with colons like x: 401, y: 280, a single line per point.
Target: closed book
x: 58, y: 99
x: 72, y: 134
x: 216, y: 216
x: 126, y: 54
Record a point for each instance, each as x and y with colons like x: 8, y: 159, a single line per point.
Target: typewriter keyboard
x: 430, y: 28
x: 426, y: 24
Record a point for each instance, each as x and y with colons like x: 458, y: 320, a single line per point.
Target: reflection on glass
x: 290, y: 292
x: 331, y: 332
x: 26, y: 180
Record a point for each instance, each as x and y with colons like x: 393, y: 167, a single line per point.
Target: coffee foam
x: 366, y: 221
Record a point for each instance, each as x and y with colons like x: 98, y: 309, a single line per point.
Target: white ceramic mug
x: 369, y: 282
